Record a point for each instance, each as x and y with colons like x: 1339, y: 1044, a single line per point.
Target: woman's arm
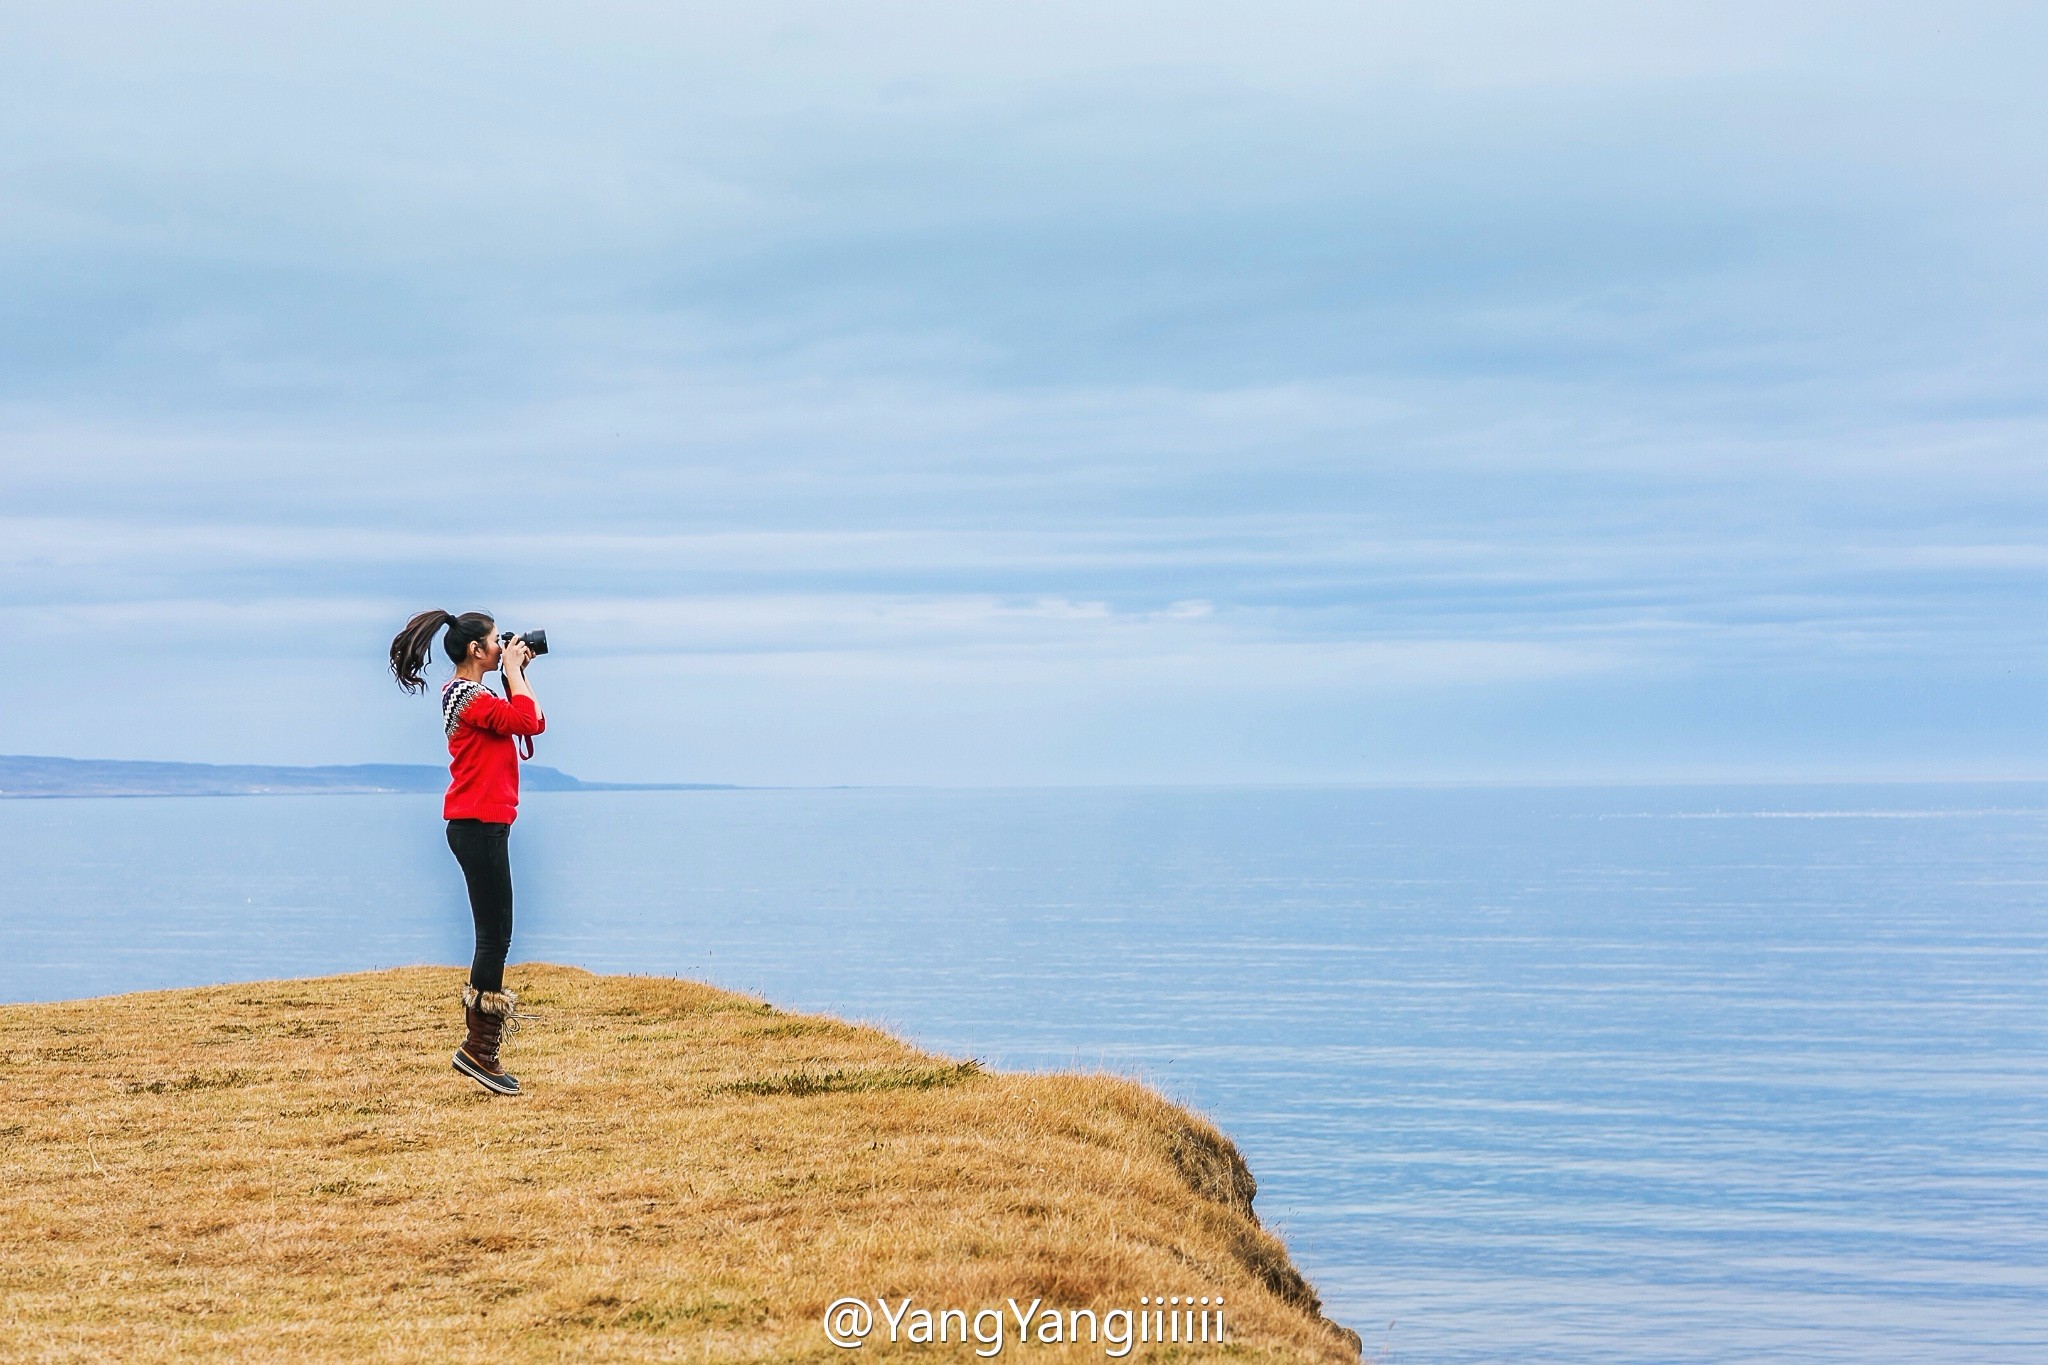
x: 520, y: 715
x: 514, y: 665
x: 490, y: 713
x: 514, y: 662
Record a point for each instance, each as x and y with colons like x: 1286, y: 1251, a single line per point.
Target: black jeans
x: 482, y: 847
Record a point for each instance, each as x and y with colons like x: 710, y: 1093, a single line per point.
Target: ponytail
x: 411, y: 646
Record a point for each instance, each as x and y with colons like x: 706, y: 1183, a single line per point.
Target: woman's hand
x: 512, y: 659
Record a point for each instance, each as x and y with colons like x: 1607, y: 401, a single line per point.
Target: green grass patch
x: 212, y: 1080
x: 855, y: 1079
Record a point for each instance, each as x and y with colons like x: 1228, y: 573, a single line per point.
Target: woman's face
x: 488, y: 648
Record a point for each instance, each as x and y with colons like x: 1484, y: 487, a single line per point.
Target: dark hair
x: 410, y: 647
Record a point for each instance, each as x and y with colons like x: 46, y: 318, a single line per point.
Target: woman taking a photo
x: 482, y: 803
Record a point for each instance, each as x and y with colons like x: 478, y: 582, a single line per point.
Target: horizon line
x: 1834, y: 778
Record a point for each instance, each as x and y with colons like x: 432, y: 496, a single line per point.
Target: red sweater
x: 484, y: 768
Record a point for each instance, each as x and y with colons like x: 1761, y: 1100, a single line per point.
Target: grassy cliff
x: 292, y: 1170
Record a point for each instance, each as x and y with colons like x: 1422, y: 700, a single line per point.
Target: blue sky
x: 1016, y: 394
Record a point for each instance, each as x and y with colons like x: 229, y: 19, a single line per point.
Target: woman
x: 482, y: 803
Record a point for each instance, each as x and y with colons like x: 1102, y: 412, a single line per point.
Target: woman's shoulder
x: 457, y: 694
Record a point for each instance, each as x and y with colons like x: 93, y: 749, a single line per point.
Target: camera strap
x: 525, y: 742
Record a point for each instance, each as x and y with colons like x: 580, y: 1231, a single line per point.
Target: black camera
x: 535, y: 640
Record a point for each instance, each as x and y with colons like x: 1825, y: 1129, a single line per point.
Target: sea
x: 1524, y: 1073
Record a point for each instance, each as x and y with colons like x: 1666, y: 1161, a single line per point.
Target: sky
x: 976, y: 394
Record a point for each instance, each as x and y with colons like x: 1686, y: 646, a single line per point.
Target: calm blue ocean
x: 1660, y: 1074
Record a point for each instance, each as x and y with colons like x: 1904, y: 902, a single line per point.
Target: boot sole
x: 497, y: 1085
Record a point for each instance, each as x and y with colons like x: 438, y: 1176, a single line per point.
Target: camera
x: 535, y: 640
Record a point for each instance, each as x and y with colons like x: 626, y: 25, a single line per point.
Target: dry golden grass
x: 292, y: 1170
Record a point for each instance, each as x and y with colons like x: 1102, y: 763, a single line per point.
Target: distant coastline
x: 26, y: 775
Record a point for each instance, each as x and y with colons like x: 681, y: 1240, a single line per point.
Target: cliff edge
x: 291, y: 1169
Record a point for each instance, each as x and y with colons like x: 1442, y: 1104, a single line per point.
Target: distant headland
x: 24, y: 775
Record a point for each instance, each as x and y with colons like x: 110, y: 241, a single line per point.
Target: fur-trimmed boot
x: 487, y: 1013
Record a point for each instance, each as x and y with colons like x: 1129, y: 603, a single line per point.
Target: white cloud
x: 1070, y: 355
